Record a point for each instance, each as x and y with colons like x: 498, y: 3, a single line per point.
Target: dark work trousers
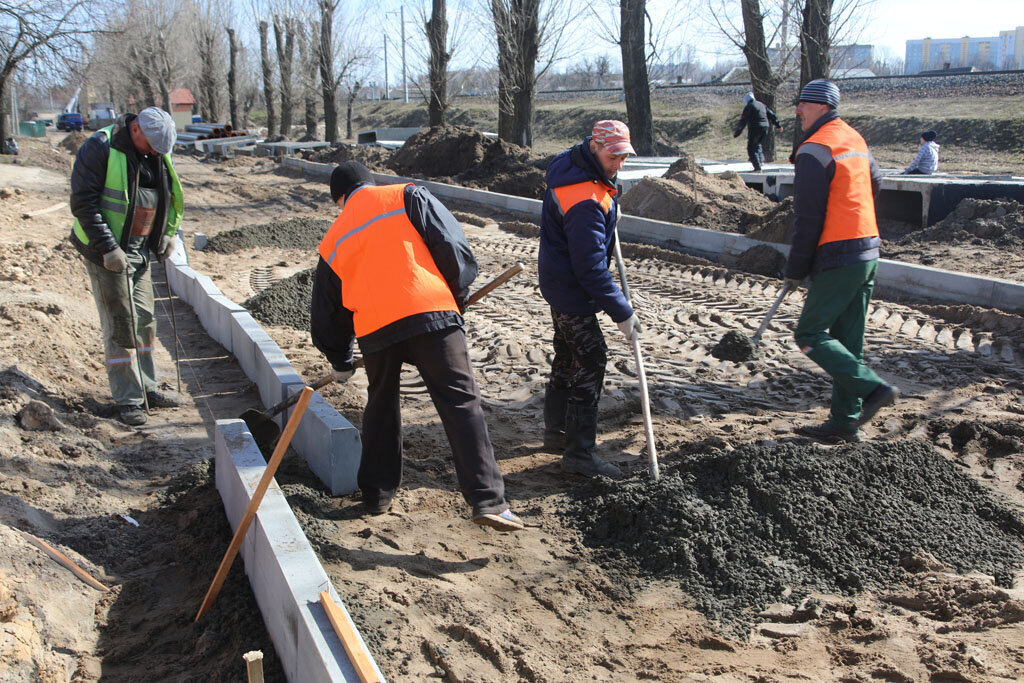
x: 443, y: 362
x: 755, y: 152
x: 580, y: 357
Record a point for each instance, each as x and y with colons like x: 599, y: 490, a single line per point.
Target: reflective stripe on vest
x: 569, y: 196
x: 850, y: 213
x: 385, y: 267
x: 114, y: 198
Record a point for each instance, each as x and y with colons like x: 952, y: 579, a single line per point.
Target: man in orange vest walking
x: 835, y: 242
x: 394, y: 273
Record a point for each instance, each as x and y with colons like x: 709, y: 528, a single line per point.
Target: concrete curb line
x: 267, y: 366
x: 894, y: 277
x: 284, y: 572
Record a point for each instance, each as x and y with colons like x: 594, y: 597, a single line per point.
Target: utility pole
x: 385, y: 66
x: 405, y: 81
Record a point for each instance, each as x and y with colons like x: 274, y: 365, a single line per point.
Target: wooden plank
x: 61, y: 558
x: 357, y: 654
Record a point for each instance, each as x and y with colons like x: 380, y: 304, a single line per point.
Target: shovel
x: 261, y: 423
x: 737, y: 348
x: 756, y: 339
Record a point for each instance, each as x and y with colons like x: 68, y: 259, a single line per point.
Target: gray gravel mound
x: 284, y: 303
x: 294, y: 233
x: 739, y: 528
x: 734, y: 346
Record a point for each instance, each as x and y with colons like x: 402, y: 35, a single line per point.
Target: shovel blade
x: 264, y: 430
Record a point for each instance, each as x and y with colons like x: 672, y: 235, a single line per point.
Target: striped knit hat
x: 822, y: 92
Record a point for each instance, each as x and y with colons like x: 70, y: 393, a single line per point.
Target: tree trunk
x: 232, y: 79
x: 207, y: 78
x: 268, y: 79
x: 139, y: 75
x: 516, y: 25
x: 4, y: 96
x: 815, y: 45
x: 763, y: 81
x: 437, y: 36
x: 634, y: 76
x: 284, y: 38
x: 325, y: 58
x: 308, y: 53
x: 348, y: 109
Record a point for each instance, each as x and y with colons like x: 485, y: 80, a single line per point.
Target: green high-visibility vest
x: 114, y: 202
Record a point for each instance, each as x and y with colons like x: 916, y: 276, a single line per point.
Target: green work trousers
x: 831, y: 333
x: 120, y: 297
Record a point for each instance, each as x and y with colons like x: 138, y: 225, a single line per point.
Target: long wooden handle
x: 771, y: 311
x: 494, y: 284
x: 63, y: 559
x: 357, y: 654
x: 254, y: 503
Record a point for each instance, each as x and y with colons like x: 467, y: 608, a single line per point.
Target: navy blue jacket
x: 576, y: 248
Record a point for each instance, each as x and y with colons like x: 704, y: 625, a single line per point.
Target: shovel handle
x: 771, y: 311
x: 321, y: 382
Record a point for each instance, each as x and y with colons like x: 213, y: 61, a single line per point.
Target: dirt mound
x: 524, y: 228
x: 762, y: 260
x: 776, y: 225
x: 285, y: 303
x: 748, y: 527
x: 295, y: 233
x: 73, y: 141
x: 996, y: 222
x: 372, y: 157
x: 718, y: 202
x: 472, y: 159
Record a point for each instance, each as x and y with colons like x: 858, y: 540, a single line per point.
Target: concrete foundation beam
x: 284, y: 572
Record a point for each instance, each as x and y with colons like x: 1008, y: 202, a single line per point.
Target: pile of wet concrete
x: 992, y: 222
x: 285, y: 303
x: 744, y: 528
x: 294, y: 233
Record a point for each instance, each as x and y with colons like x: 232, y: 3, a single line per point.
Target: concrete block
x: 284, y: 572
x: 330, y: 445
x: 220, y: 322
x: 275, y: 378
x: 246, y: 334
x: 199, y: 241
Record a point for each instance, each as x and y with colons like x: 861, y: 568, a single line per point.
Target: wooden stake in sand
x: 49, y: 209
x: 254, y: 665
x: 254, y: 503
x: 357, y: 653
x: 61, y: 558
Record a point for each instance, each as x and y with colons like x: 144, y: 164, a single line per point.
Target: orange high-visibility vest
x: 850, y: 213
x: 385, y: 267
x: 569, y: 196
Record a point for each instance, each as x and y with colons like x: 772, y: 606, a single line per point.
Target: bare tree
x: 267, y: 68
x: 50, y: 31
x: 233, y: 49
x: 530, y: 40
x: 634, y: 76
x: 284, y: 40
x: 310, y: 78
x: 437, y: 37
x: 206, y: 33
x: 353, y: 92
x: 328, y: 77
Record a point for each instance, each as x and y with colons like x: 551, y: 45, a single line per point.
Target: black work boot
x: 556, y: 402
x: 580, y: 455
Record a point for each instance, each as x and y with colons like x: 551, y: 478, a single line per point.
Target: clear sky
x: 894, y: 22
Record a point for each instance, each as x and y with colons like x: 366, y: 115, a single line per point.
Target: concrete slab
x: 275, y: 378
x: 284, y: 572
x: 330, y: 446
x: 278, y: 149
x: 378, y: 135
x: 246, y: 337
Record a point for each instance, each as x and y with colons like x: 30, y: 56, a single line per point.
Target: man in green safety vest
x: 127, y: 202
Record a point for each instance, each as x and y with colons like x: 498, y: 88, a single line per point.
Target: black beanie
x: 346, y: 176
x: 929, y: 135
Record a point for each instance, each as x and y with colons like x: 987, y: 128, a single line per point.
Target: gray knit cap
x: 822, y: 92
x: 158, y: 127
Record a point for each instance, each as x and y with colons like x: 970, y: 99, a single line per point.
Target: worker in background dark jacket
x: 127, y: 202
x: 835, y: 242
x: 577, y: 237
x: 756, y: 118
x: 394, y: 273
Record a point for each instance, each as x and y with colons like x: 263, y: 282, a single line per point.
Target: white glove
x: 630, y: 327
x: 168, y: 243
x: 115, y: 260
x: 342, y: 376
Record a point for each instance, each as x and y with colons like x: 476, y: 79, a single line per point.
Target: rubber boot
x: 556, y: 401
x: 580, y: 455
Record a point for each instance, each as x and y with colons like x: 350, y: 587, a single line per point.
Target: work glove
x: 630, y: 327
x: 167, y: 245
x: 792, y: 284
x: 342, y: 376
x: 737, y: 133
x: 115, y: 260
